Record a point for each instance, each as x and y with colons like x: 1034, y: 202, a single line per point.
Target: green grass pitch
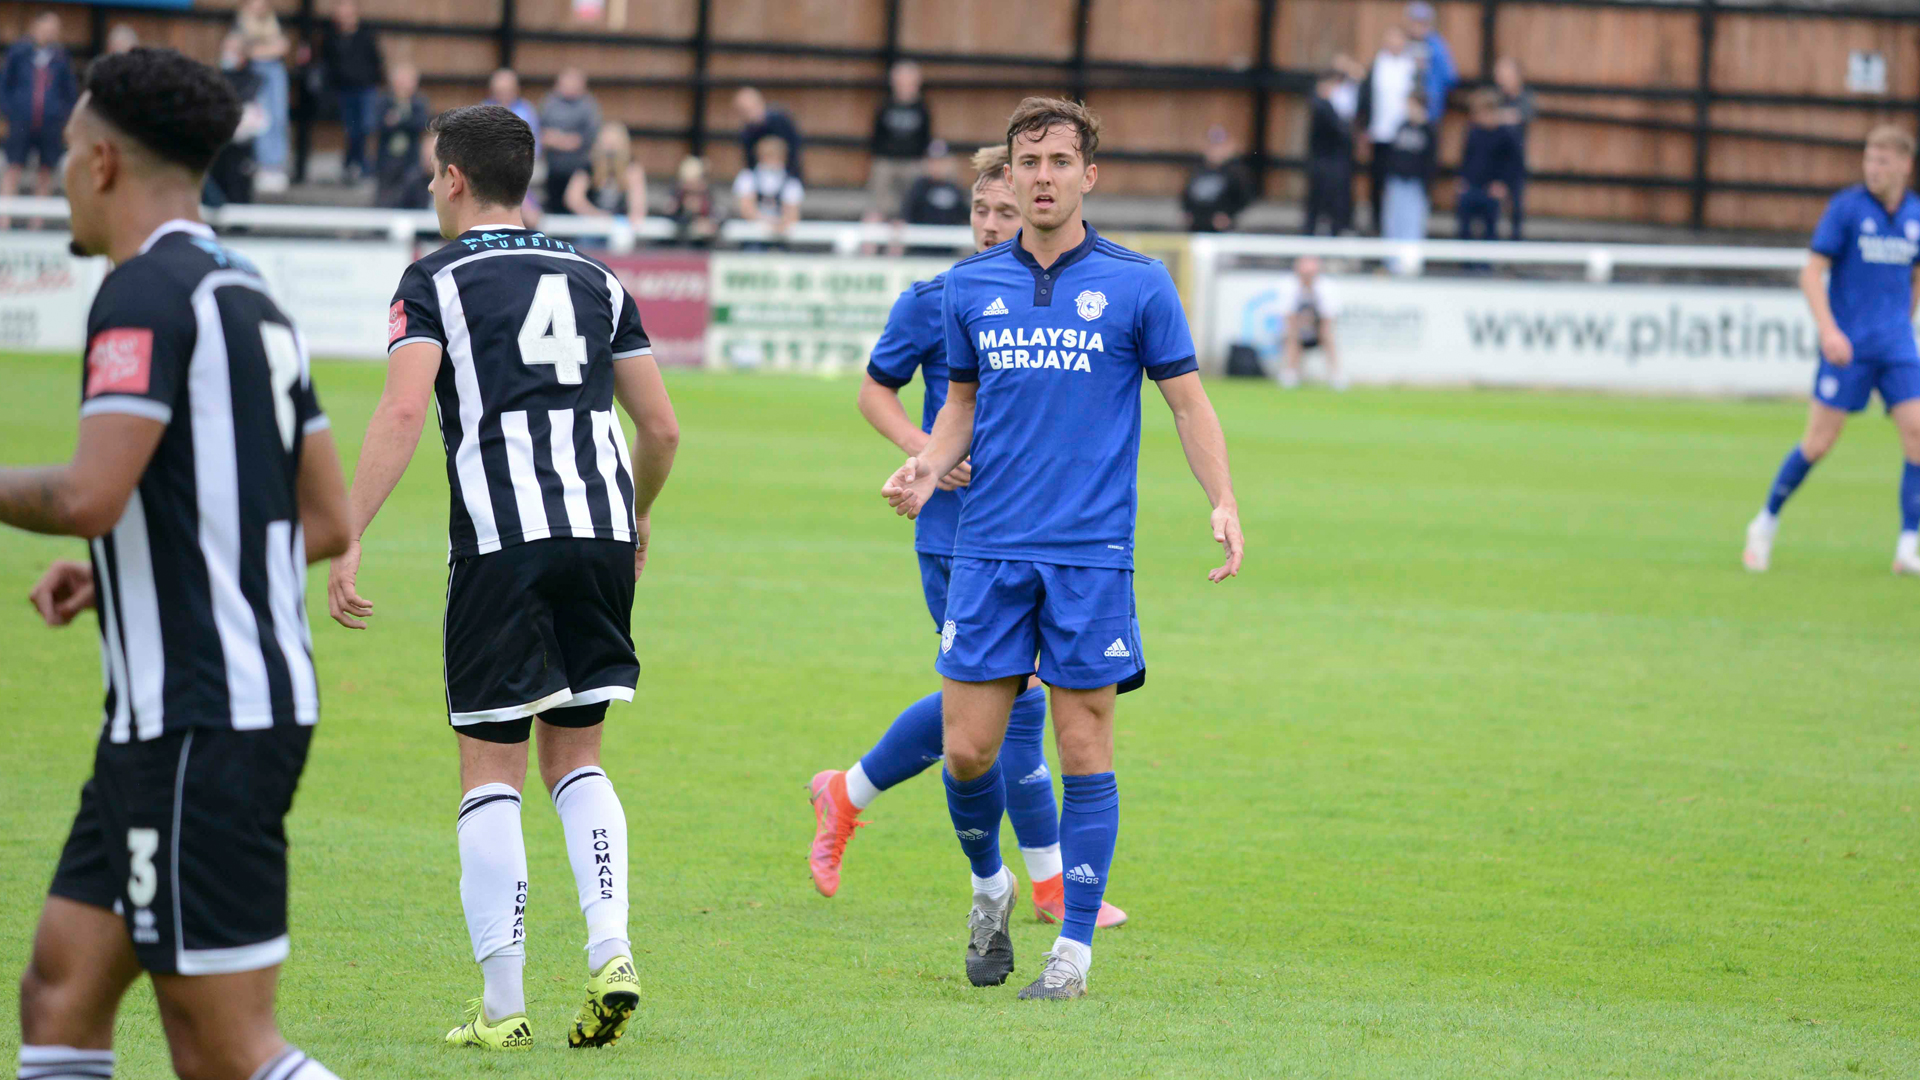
x: 1493, y: 763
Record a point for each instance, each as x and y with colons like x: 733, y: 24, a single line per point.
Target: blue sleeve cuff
x: 886, y: 379
x: 1834, y: 254
x: 971, y: 375
x: 1173, y: 369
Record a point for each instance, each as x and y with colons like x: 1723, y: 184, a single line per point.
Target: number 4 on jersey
x: 549, y: 336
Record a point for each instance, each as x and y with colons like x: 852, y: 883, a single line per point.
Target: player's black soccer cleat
x: 989, y: 946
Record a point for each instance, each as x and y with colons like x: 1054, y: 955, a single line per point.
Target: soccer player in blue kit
x: 1859, y: 281
x: 913, y: 339
x: 1047, y: 337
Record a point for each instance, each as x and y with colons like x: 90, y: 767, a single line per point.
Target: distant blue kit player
x: 1859, y: 283
x: 1049, y: 337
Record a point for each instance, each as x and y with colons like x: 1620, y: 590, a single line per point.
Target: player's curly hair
x: 492, y: 146
x: 1035, y: 116
x: 180, y: 110
x: 990, y: 166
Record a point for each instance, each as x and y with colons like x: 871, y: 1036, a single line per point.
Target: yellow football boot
x: 613, y: 993
x: 511, y: 1033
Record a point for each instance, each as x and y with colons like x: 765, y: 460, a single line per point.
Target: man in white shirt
x: 1307, y: 304
x: 767, y: 191
x: 1383, y: 103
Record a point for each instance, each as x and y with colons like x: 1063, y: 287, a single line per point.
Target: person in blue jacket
x: 37, y: 90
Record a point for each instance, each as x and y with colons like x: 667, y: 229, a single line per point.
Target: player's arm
x: 1813, y: 285
x: 1205, y: 444
x: 640, y: 390
x: 909, y: 488
x: 880, y: 404
x: 324, y: 516
x: 392, y: 436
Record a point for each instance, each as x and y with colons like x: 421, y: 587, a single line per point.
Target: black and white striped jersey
x: 530, y: 329
x: 202, y: 584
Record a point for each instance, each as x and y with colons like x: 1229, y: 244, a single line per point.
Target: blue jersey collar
x: 1045, y: 277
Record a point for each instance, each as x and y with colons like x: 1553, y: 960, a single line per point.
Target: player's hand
x: 344, y: 602
x: 960, y: 477
x: 1226, y: 533
x: 909, y: 488
x: 642, y: 532
x: 64, y: 591
x: 1835, y: 347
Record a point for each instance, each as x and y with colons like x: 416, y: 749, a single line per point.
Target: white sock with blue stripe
x: 64, y: 1063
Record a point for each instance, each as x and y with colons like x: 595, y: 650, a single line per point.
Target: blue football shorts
x: 1078, y: 620
x: 934, y: 570
x: 1850, y: 387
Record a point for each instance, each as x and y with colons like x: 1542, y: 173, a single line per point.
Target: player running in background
x: 913, y: 340
x: 524, y: 344
x: 205, y: 478
x: 1047, y: 338
x: 1859, y: 281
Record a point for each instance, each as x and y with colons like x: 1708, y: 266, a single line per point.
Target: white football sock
x: 493, y: 892
x: 860, y: 790
x: 293, y: 1064
x: 1081, y: 955
x: 994, y: 888
x: 1908, y: 546
x: 64, y: 1063
x: 1767, y: 520
x: 596, y: 828
x: 1042, y: 862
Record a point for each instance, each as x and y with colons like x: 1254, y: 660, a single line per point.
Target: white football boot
x: 1759, y: 552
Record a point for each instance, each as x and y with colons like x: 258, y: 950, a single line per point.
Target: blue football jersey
x: 1871, y: 286
x: 1058, y: 353
x: 912, y: 340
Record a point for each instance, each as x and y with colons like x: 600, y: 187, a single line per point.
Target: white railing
x: 620, y: 234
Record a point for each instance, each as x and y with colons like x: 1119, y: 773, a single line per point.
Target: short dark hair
x: 1036, y: 115
x: 492, y: 146
x: 179, y: 109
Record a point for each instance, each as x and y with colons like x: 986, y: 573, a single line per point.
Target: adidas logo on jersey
x: 1083, y: 875
x: 998, y: 307
x: 1037, y: 776
x: 1118, y: 649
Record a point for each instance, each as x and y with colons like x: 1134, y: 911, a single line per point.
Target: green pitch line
x: 1493, y: 763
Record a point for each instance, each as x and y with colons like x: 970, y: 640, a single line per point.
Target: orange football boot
x: 1050, y: 905
x: 834, y: 819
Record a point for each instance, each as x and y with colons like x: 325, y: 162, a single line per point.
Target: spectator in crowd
x: 695, y: 217
x: 1390, y: 84
x: 613, y: 184
x: 759, y: 120
x: 1349, y: 73
x: 230, y: 177
x: 1219, y: 189
x: 409, y: 191
x: 1329, y: 158
x: 1438, y: 76
x: 403, y: 115
x: 1517, y: 101
x: 1407, y: 168
x: 266, y: 48
x: 1308, y: 303
x: 569, y: 122
x: 936, y: 197
x: 350, y: 57
x: 766, y: 191
x: 1489, y: 164
x: 122, y: 38
x: 503, y: 89
x: 39, y: 89
x: 902, y: 134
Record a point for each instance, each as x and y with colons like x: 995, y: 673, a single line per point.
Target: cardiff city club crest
x: 1090, y: 304
x: 1913, y: 231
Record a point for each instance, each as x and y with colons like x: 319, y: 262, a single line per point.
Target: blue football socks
x: 975, y: 806
x: 911, y: 744
x: 1910, y: 497
x: 1023, y: 759
x: 1792, y: 470
x: 1089, y: 824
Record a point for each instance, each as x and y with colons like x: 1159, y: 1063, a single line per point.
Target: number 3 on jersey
x: 549, y: 335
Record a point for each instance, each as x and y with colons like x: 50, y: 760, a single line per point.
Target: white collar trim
x: 197, y: 228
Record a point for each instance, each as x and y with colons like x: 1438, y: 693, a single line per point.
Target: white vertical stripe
x: 608, y: 459
x: 179, y: 799
x: 466, y: 384
x: 619, y: 300
x: 286, y: 588
x: 525, y: 476
x: 216, y: 477
x: 119, y: 725
x: 566, y: 462
x: 140, y: 619
x: 626, y: 464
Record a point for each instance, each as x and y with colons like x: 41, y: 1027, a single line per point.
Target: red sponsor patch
x: 120, y: 362
x: 396, y: 321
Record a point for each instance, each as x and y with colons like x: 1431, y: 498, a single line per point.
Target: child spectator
x: 612, y: 184
x: 1329, y: 159
x: 403, y: 114
x: 1488, y: 167
x: 767, y: 192
x: 39, y: 91
x: 1407, y: 163
x: 692, y: 209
